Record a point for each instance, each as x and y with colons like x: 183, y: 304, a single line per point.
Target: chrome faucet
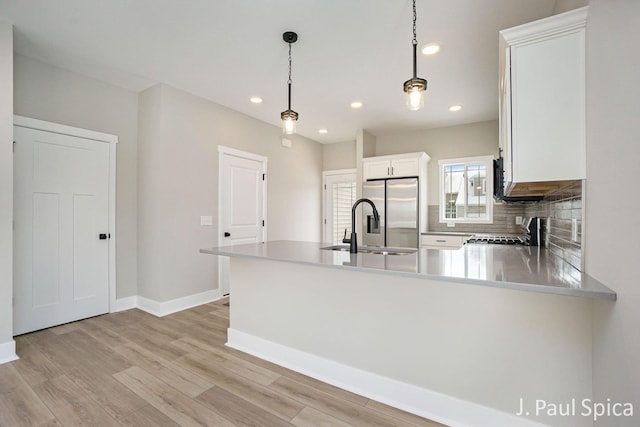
x: 353, y: 241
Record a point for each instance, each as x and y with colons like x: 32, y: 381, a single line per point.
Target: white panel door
x: 61, y: 207
x: 242, y: 204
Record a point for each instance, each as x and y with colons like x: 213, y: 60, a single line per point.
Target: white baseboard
x: 165, y: 308
x: 8, y: 352
x: 123, y: 304
x: 426, y: 403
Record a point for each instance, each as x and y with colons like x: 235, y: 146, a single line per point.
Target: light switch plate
x: 206, y: 220
x: 518, y: 220
x: 286, y: 142
x: 451, y: 224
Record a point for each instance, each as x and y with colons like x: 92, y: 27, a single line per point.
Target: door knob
x: 104, y: 236
x: 227, y: 234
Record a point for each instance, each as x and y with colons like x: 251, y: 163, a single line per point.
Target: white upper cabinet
x: 542, y: 99
x: 395, y: 166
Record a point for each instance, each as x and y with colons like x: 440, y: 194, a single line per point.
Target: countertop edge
x: 526, y: 287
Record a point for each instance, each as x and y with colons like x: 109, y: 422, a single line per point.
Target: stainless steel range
x: 500, y: 240
x: 533, y: 229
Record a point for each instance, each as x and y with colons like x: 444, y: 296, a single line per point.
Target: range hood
x: 522, y: 191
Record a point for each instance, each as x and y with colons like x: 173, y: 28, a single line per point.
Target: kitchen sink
x: 372, y: 250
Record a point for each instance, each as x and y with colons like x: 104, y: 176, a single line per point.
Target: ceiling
x: 229, y: 51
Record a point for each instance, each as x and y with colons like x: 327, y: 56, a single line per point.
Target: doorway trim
x: 112, y: 140
x: 223, y: 150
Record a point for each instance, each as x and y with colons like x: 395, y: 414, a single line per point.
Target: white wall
x: 6, y: 192
x: 475, y: 139
x: 567, y: 5
x: 484, y: 345
x: 46, y: 92
x: 612, y: 245
x: 340, y: 155
x: 178, y: 182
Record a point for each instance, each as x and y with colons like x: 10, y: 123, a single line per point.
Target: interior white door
x: 61, y: 207
x: 242, y: 205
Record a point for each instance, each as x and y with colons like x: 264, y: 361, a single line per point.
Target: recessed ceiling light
x: 356, y: 104
x: 455, y: 107
x: 431, y: 49
x: 255, y: 100
x: 323, y: 131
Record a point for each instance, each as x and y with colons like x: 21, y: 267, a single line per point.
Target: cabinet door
x: 548, y: 109
x: 405, y: 168
x: 442, y: 240
x: 376, y: 169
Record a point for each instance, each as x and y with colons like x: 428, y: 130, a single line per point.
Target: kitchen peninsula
x: 429, y: 332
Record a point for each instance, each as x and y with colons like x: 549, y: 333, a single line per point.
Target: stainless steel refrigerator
x: 397, y: 203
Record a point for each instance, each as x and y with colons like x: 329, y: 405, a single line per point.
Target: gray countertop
x: 517, y: 267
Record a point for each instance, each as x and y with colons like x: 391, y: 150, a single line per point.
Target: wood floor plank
x: 95, y: 327
x: 310, y: 417
x: 175, y: 405
x: 240, y: 366
x: 117, y: 400
x: 91, y: 350
x: 402, y: 415
x: 70, y: 405
x: 35, y: 367
x: 180, y: 378
x: 152, y: 341
x: 19, y: 404
x: 345, y: 411
x: 147, y: 416
x: 239, y: 411
x: 257, y: 394
x: 63, y: 329
x: 304, y: 379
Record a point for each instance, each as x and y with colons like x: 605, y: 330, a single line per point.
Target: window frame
x: 487, y: 161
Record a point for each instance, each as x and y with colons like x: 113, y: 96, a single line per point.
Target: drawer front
x: 441, y: 240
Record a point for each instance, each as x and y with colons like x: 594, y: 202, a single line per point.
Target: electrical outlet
x: 206, y: 220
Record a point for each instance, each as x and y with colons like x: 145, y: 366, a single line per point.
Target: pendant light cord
x: 289, y: 81
x: 414, y: 42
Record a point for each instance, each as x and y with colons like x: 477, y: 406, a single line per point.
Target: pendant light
x: 288, y: 116
x: 415, y: 87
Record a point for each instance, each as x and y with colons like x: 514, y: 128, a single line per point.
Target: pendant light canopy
x: 288, y: 116
x: 415, y: 87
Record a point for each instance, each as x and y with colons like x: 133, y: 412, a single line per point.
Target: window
x: 466, y: 188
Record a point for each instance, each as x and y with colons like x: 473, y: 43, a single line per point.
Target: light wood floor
x: 134, y: 369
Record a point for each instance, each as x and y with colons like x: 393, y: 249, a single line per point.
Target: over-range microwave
x: 498, y: 185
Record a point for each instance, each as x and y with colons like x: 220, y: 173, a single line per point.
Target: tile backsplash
x: 504, y: 220
x: 562, y: 209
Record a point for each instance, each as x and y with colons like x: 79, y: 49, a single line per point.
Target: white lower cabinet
x: 443, y: 240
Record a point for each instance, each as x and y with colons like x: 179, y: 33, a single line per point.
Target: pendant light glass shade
x: 289, y: 120
x: 288, y: 116
x: 415, y: 89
